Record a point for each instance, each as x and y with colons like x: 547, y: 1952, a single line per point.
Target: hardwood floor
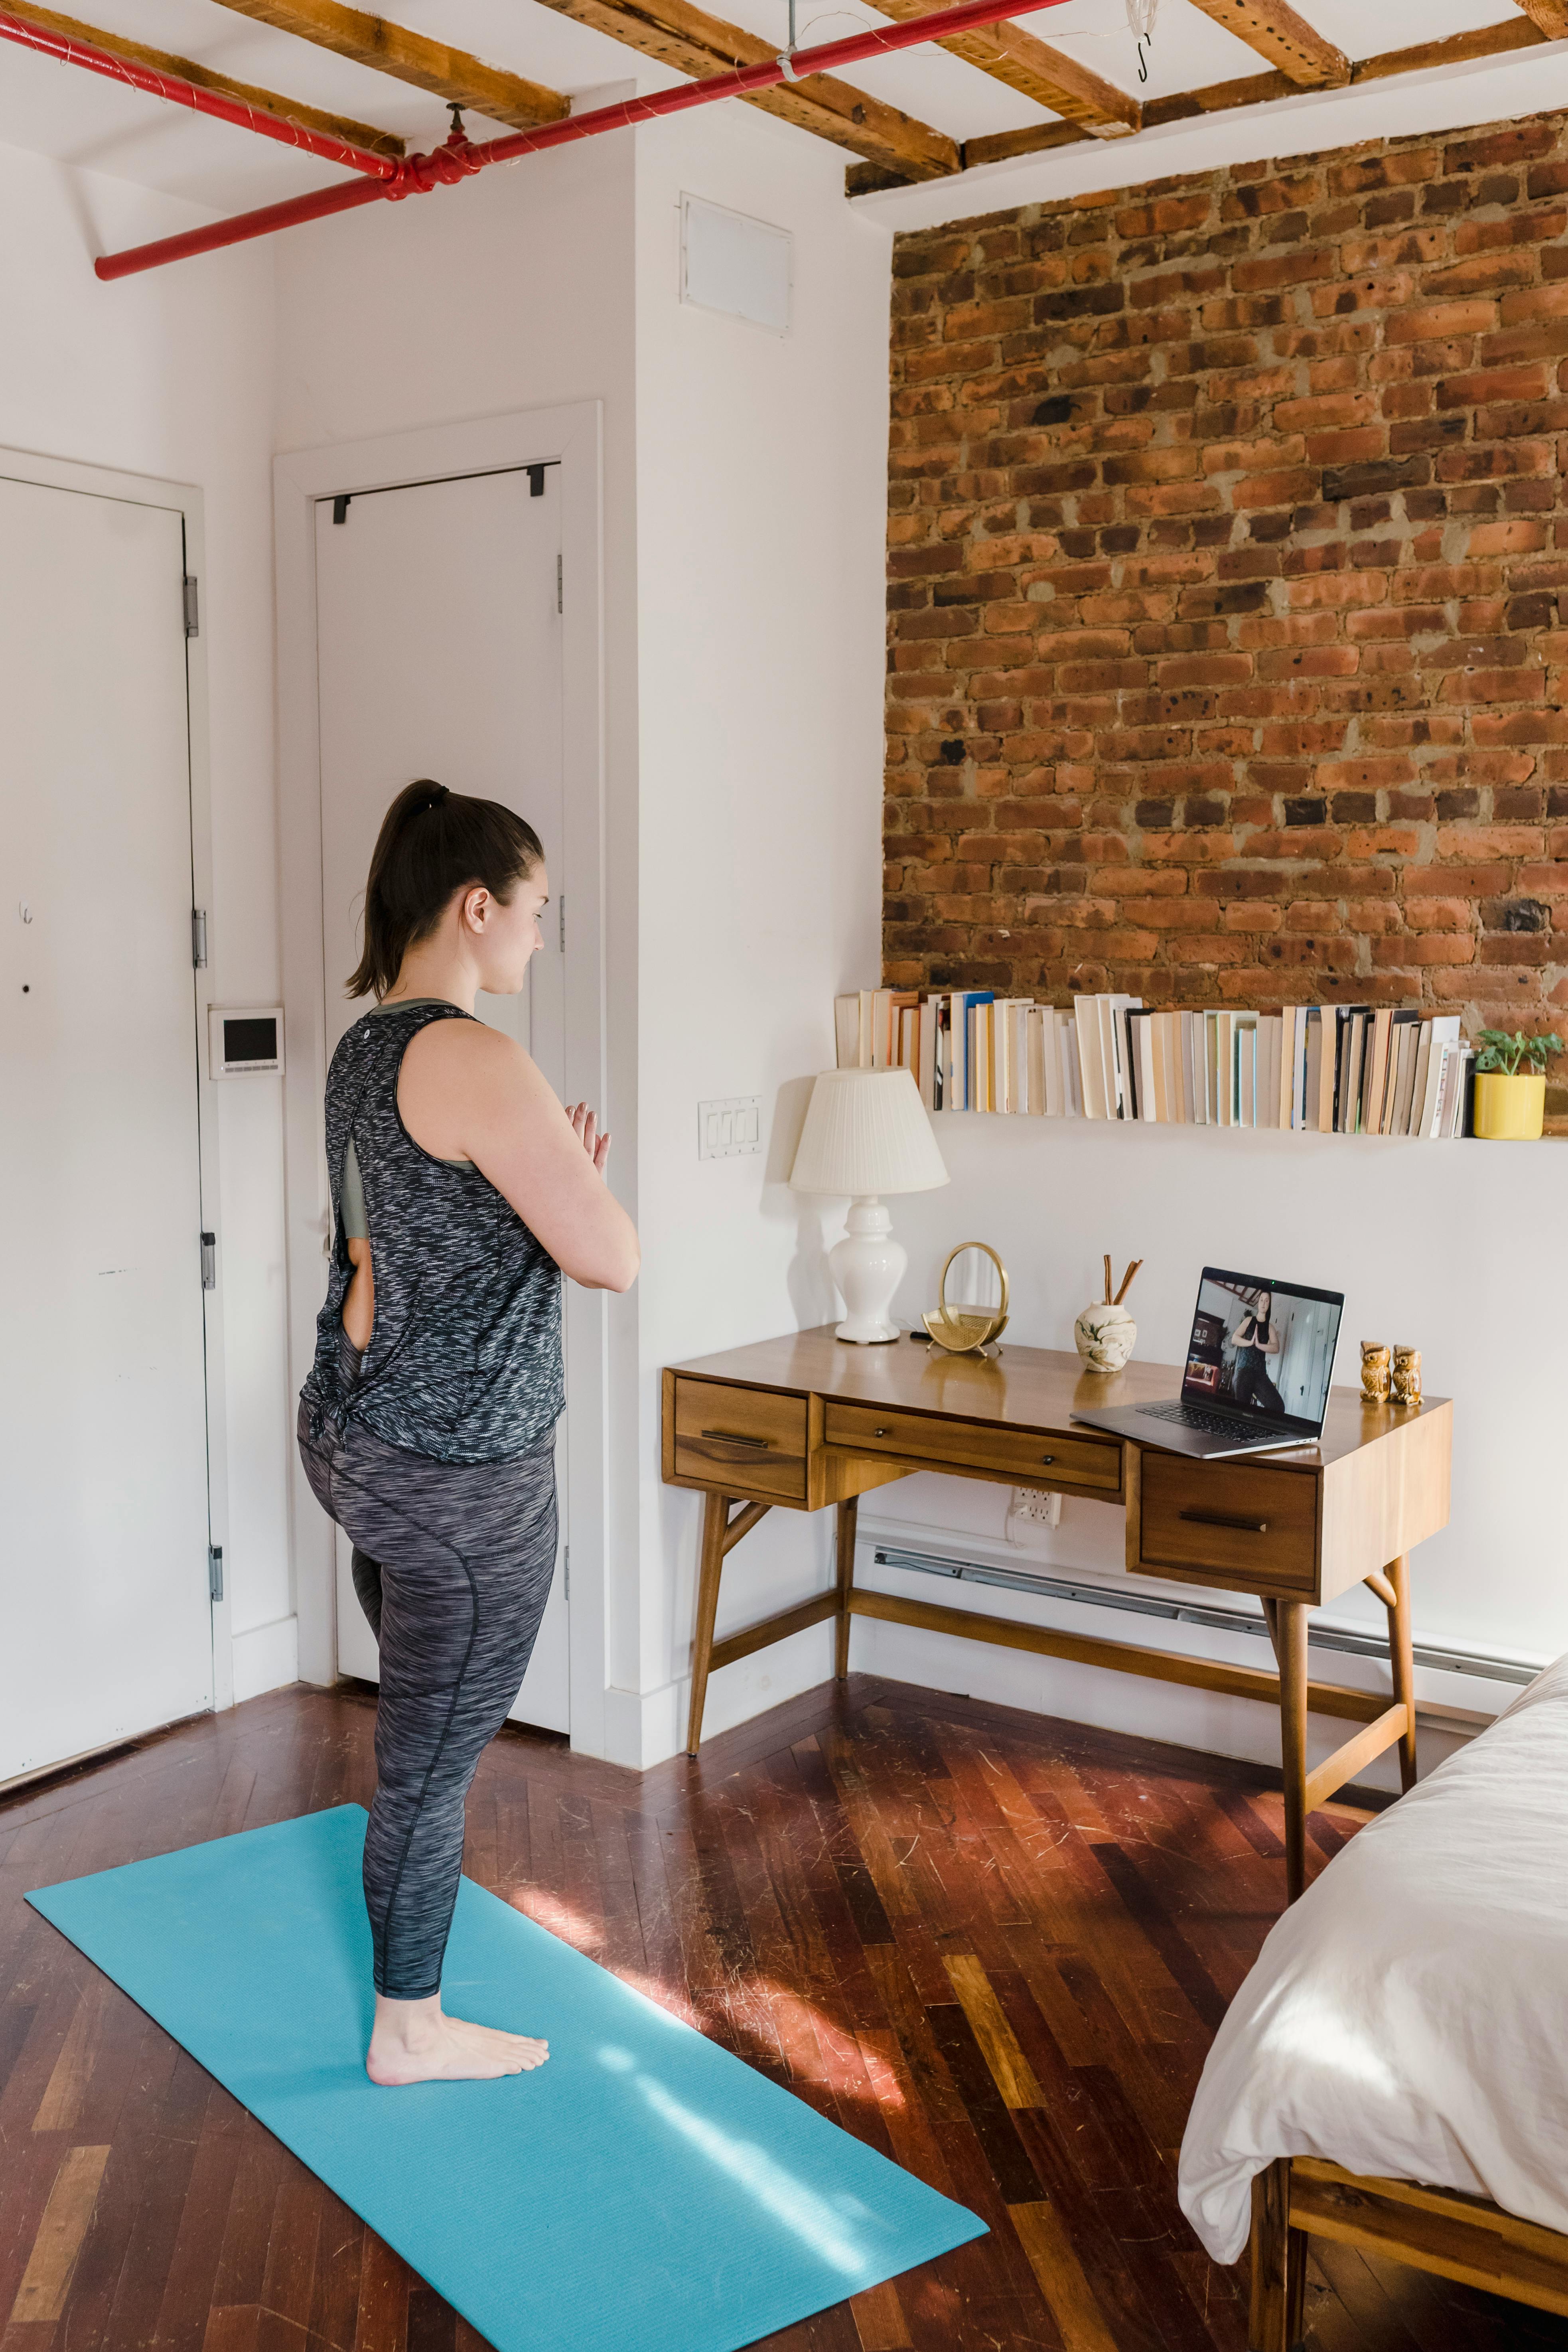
x: 994, y: 1945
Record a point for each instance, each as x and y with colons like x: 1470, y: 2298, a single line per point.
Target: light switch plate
x: 728, y: 1127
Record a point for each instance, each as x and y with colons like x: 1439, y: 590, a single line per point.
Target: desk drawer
x: 1243, y: 1522
x: 1031, y: 1458
x: 749, y: 1441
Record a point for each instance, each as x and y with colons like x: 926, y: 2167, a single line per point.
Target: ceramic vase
x: 1105, y: 1338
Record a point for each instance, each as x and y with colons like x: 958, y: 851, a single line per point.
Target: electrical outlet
x: 1029, y: 1509
x: 727, y: 1129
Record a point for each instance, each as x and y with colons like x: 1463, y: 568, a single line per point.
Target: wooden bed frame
x: 1464, y: 2238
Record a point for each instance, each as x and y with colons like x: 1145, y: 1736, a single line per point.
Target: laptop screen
x: 1263, y: 1348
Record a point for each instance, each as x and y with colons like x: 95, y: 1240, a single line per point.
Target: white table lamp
x: 866, y: 1133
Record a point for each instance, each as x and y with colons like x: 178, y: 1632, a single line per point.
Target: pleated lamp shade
x: 866, y: 1133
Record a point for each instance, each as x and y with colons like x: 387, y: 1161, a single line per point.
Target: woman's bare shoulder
x: 467, y: 1045
x: 458, y: 1078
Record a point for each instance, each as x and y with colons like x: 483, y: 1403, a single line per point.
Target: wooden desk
x: 803, y: 1422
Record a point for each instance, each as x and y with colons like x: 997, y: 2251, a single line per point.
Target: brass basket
x: 967, y: 1330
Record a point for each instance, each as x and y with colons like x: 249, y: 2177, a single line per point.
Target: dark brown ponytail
x: 432, y: 843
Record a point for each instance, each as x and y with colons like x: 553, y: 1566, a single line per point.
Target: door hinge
x: 192, y: 605
x: 566, y: 1568
x: 209, y: 1261
x: 199, y: 937
x: 560, y: 920
x: 215, y: 1571
x: 559, y: 605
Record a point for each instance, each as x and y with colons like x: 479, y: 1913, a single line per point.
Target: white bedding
x: 1409, y: 2016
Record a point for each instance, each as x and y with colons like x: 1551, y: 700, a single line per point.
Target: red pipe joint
x: 453, y: 161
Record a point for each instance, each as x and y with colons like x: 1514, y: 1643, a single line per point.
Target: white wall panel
x: 170, y: 375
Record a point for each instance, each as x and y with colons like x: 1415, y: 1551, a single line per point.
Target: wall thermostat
x: 243, y: 1038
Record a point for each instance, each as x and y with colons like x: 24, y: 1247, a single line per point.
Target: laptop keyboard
x: 1213, y: 1424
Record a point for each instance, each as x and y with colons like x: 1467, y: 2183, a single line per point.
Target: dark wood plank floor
x: 994, y: 1946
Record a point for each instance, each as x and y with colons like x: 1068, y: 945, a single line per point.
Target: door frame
x: 186, y: 499
x: 570, y: 437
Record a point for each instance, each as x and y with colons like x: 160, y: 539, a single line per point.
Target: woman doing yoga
x: 461, y: 1192
x: 1256, y: 1338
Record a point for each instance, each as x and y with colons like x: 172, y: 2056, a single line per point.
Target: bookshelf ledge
x: 1341, y: 1069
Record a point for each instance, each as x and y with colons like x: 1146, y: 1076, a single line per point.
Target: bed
x: 1394, y: 2069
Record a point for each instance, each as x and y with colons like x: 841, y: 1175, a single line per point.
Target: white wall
x: 1453, y: 1248
x: 170, y: 375
x: 761, y: 468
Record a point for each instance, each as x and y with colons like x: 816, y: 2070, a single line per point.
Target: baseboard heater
x: 1320, y: 1636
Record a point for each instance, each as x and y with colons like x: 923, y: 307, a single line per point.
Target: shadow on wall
x: 810, y: 1280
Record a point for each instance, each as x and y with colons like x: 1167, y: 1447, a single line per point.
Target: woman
x: 461, y: 1192
x: 1257, y: 1338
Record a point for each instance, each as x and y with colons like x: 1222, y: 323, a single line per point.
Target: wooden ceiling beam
x: 244, y: 93
x: 1458, y: 50
x: 1550, y: 18
x: 451, y: 75
x: 1035, y: 71
x: 1272, y: 27
x: 1252, y: 89
x: 686, y: 37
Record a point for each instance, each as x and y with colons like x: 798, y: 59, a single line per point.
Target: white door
x: 438, y: 648
x: 107, y: 1626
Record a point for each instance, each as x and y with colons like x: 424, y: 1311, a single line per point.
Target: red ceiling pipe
x: 69, y: 51
x: 456, y: 158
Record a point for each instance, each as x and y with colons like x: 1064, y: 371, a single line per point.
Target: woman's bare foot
x: 415, y: 2042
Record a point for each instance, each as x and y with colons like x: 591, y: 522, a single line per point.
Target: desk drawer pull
x: 1048, y: 1457
x: 733, y: 1437
x: 1227, y: 1519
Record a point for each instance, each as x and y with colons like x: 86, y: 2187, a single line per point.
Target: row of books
x: 1344, y: 1070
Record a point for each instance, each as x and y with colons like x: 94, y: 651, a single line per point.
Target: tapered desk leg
x: 1402, y: 1660
x: 1291, y: 1619
x: 848, y: 1514
x: 715, y: 1520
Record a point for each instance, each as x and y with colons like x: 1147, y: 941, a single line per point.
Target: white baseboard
x: 642, y: 1727
x: 1450, y: 1707
x: 265, y: 1658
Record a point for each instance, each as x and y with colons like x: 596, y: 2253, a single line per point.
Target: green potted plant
x: 1510, y: 1102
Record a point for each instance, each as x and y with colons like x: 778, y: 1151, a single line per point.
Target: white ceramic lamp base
x: 868, y: 1267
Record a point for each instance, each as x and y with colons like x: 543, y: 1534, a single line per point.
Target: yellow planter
x: 1510, y: 1110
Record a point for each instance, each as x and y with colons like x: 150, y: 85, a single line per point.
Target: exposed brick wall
x: 1228, y: 587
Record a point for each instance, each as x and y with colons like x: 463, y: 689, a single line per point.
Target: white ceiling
x: 74, y: 115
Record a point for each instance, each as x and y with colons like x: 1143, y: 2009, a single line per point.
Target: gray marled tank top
x: 464, y: 1361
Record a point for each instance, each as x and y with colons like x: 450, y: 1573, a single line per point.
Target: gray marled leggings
x: 452, y: 1566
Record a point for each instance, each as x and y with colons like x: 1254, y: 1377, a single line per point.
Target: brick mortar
x: 1228, y: 587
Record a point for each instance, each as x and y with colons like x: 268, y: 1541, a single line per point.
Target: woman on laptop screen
x: 1256, y: 1338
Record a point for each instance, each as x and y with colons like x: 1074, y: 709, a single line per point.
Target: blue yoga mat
x: 642, y: 2191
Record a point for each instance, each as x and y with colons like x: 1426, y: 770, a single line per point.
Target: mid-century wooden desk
x: 802, y: 1420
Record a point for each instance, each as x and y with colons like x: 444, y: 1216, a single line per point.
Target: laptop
x: 1258, y: 1371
